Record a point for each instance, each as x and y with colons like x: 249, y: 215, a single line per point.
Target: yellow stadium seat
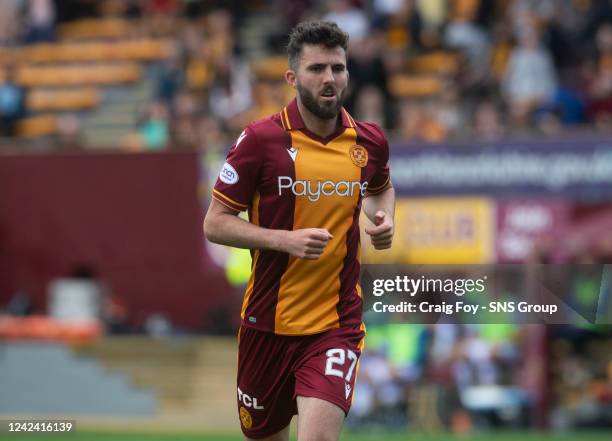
x: 6, y: 56
x: 78, y: 74
x: 62, y: 99
x: 35, y: 126
x: 464, y: 9
x: 271, y: 68
x: 199, y: 74
x: 141, y: 50
x: 440, y: 62
x: 415, y: 86
x: 95, y: 28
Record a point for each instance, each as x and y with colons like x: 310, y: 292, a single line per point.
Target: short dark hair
x: 322, y: 33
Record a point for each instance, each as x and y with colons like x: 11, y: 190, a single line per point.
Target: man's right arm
x: 223, y: 226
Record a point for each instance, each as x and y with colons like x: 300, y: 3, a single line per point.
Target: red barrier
x: 134, y: 217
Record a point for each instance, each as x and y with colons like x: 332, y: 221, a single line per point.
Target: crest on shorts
x: 245, y: 418
x: 359, y: 156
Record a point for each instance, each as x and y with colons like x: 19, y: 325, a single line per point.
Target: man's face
x: 321, y: 79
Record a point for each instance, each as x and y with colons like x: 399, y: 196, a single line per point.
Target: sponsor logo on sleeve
x: 228, y: 174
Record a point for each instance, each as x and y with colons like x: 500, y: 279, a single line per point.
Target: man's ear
x: 291, y: 78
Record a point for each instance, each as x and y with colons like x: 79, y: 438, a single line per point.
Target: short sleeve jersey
x: 289, y: 178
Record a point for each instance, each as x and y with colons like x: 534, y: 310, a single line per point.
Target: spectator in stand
x: 184, y: 119
x: 40, y: 21
x: 20, y: 305
x: 160, y: 15
x: 433, y: 14
x: 154, y: 128
x: 115, y: 314
x: 600, y: 87
x: 10, y: 22
x: 530, y: 78
x: 386, y: 8
x: 293, y: 11
x: 12, y: 97
x: 230, y: 93
x: 211, y: 138
x: 448, y: 112
x: 171, y: 76
x: 370, y: 106
x: 419, y: 121
x: 367, y: 70
x: 472, y: 40
x: 488, y: 124
x: 220, y: 36
x: 268, y: 95
x: 349, y: 18
x: 402, y: 25
x: 69, y: 134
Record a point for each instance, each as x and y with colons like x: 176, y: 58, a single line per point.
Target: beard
x: 322, y: 111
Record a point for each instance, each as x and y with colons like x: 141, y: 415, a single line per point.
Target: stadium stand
x: 471, y: 49
x: 66, y: 384
x: 192, y: 379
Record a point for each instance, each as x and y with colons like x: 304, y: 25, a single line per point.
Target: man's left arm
x: 380, y: 209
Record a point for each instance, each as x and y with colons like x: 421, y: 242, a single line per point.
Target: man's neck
x: 318, y: 126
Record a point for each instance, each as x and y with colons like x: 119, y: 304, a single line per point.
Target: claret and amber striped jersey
x: 289, y: 178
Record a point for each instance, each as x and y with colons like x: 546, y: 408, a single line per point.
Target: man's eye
x: 338, y: 68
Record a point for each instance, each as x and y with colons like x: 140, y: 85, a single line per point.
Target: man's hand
x: 307, y: 243
x: 382, y: 234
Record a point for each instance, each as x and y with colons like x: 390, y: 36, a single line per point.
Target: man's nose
x: 328, y: 75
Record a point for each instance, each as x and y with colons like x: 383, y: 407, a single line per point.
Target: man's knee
x: 318, y: 420
x: 283, y: 435
x: 318, y: 435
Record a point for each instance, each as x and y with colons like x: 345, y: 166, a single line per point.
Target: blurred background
x: 115, y: 118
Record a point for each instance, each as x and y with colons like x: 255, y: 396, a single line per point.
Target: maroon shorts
x: 274, y: 369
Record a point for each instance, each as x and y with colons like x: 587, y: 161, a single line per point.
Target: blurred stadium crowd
x: 426, y: 70
x: 486, y: 376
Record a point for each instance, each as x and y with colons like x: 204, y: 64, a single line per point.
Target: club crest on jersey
x: 245, y: 418
x: 228, y: 174
x: 359, y: 156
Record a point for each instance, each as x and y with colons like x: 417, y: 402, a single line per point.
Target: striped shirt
x: 289, y: 178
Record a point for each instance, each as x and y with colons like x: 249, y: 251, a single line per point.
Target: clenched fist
x: 307, y: 243
x: 381, y: 234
